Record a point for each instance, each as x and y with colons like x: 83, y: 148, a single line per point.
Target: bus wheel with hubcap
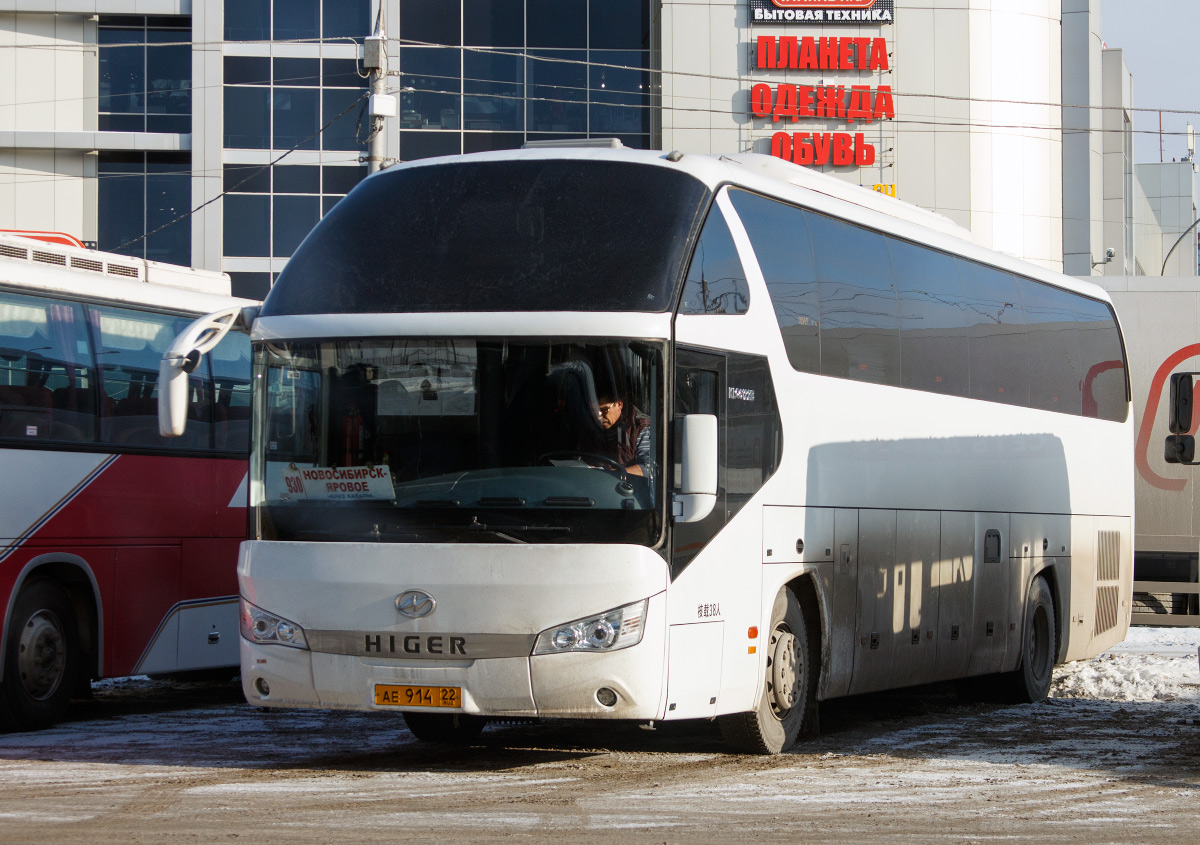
x: 1039, y: 646
x: 788, y: 691
x: 42, y: 657
x: 446, y: 728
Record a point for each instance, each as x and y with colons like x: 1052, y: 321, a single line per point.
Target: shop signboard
x: 821, y: 12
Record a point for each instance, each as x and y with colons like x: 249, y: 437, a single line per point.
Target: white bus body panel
x: 514, y: 591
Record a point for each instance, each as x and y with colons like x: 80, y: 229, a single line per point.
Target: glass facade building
x: 468, y: 75
x: 480, y: 75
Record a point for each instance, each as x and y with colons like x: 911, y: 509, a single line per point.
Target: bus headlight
x: 615, y: 629
x: 264, y: 628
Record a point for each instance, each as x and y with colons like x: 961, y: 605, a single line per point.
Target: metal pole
x: 380, y: 104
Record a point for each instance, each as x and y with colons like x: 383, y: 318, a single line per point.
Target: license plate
x: 389, y: 695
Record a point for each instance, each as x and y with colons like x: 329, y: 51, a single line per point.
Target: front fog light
x: 259, y: 626
x: 615, y: 629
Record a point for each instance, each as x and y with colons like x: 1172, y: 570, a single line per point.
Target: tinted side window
x: 716, y: 282
x: 1054, y: 374
x: 996, y: 328
x: 47, y: 381
x: 230, y: 362
x: 1102, y: 362
x: 129, y: 346
x: 933, y: 320
x: 860, y: 338
x: 779, y: 235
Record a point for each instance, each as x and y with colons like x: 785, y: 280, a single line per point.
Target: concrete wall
x: 1082, y: 120
x: 977, y: 134
x: 48, y: 79
x: 1171, y: 195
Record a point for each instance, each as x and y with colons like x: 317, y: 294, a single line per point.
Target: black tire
x: 41, y: 661
x: 789, y: 692
x: 445, y: 728
x: 1030, y: 681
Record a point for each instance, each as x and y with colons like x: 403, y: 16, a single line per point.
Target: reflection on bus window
x: 465, y: 431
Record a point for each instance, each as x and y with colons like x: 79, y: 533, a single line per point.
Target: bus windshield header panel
x: 539, y: 440
x: 511, y: 235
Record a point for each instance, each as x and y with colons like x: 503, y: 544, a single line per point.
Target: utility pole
x: 380, y: 104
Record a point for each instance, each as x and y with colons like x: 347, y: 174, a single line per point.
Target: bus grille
x: 1108, y: 563
x: 1108, y: 569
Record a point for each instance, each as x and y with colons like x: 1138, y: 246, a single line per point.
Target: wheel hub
x: 42, y: 655
x: 785, y: 671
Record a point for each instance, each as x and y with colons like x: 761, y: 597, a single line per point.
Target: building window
x: 520, y: 70
x: 297, y: 20
x: 145, y: 80
x: 269, y: 210
x: 146, y: 194
x: 282, y: 103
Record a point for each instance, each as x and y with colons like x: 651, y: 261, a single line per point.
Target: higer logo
x: 415, y: 604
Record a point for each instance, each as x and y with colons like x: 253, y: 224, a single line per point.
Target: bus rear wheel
x: 788, y: 690
x: 1030, y: 681
x: 41, y: 662
x: 445, y: 728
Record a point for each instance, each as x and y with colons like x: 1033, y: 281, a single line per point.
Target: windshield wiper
x: 502, y: 530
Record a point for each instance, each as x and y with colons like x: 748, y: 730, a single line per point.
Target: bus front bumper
x: 628, y: 683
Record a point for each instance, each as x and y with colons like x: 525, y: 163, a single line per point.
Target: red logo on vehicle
x: 824, y: 4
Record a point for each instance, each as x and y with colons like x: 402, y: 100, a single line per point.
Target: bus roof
x: 809, y: 188
x: 38, y: 265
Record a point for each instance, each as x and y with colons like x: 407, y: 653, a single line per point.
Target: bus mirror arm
x: 183, y: 357
x: 698, y: 447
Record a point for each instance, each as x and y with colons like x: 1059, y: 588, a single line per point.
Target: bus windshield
x: 531, y: 235
x: 458, y: 440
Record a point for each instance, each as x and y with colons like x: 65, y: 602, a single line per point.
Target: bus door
x: 694, y: 673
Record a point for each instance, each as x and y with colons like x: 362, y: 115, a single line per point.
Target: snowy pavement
x: 1113, y: 756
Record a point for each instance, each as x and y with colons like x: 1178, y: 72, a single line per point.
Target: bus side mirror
x: 698, y: 449
x: 183, y: 357
x: 1181, y: 449
x: 1180, y: 410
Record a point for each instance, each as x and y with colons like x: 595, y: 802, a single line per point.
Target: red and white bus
x: 118, y: 547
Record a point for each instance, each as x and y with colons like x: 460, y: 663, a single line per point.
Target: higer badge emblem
x: 415, y: 603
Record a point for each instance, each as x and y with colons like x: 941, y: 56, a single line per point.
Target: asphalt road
x: 152, y: 761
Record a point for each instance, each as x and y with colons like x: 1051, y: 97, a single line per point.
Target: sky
x: 1158, y: 38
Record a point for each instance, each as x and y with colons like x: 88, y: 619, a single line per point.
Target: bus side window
x: 130, y: 344
x: 860, y: 332
x: 47, y: 382
x: 231, y: 380
x: 716, y: 282
x: 779, y: 234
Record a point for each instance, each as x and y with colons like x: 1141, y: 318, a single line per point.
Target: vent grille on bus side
x: 1108, y: 562
x: 50, y: 258
x: 1108, y: 569
x: 9, y: 251
x: 121, y: 270
x: 87, y: 264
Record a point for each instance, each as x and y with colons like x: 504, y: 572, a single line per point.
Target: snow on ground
x: 1153, y: 664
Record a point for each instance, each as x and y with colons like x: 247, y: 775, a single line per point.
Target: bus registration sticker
x: 389, y: 695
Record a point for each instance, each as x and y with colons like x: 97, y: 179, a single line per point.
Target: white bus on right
x: 860, y: 452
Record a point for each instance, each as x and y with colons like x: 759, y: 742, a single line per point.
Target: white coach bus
x: 614, y: 434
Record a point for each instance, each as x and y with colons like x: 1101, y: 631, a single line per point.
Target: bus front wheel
x: 788, y: 689
x: 41, y: 659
